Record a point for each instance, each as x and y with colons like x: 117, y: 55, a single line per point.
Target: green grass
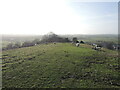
x: 60, y: 65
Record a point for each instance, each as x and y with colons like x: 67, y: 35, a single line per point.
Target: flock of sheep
x: 95, y: 46
x: 77, y: 44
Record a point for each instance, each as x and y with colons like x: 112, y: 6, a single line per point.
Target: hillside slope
x: 60, y: 65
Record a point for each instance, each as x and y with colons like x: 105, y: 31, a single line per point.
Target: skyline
x: 61, y: 17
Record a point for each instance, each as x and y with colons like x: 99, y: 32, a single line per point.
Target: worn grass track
x: 60, y: 65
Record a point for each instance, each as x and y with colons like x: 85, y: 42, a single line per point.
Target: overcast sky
x: 58, y: 16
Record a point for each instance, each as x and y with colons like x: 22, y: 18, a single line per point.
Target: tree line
x: 34, y: 42
x: 20, y: 45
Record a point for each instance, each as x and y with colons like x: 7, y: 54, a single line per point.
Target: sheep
x: 94, y: 44
x: 96, y: 47
x: 116, y: 47
x: 77, y: 44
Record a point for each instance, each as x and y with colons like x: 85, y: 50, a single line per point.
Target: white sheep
x: 77, y: 44
x: 96, y: 47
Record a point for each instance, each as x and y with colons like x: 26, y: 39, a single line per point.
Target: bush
x: 74, y: 39
x: 17, y: 45
x: 108, y: 45
x: 27, y: 44
x: 36, y: 41
x: 10, y: 46
x: 67, y: 40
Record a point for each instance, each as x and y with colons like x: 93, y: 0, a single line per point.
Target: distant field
x: 6, y: 39
x: 95, y: 38
x: 60, y: 65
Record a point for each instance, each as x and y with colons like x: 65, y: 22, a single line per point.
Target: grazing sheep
x: 97, y: 48
x: 77, y: 44
x: 116, y: 47
x: 77, y: 41
x: 94, y: 44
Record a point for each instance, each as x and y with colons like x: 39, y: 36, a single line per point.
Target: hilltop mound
x: 59, y: 65
x: 52, y: 37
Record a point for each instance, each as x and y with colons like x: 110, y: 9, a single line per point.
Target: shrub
x: 36, y: 41
x: 17, y: 45
x: 10, y: 46
x: 74, y: 39
x: 27, y: 44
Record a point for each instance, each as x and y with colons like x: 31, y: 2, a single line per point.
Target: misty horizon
x: 60, y: 17
x: 54, y: 33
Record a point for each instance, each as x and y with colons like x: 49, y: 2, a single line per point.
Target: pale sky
x: 59, y: 16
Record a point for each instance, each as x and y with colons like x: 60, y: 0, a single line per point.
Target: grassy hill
x: 60, y: 65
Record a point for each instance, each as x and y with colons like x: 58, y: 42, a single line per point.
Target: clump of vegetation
x: 28, y: 44
x: 12, y: 46
x: 36, y: 41
x: 51, y: 37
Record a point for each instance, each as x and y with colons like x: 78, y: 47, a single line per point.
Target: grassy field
x: 60, y: 65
